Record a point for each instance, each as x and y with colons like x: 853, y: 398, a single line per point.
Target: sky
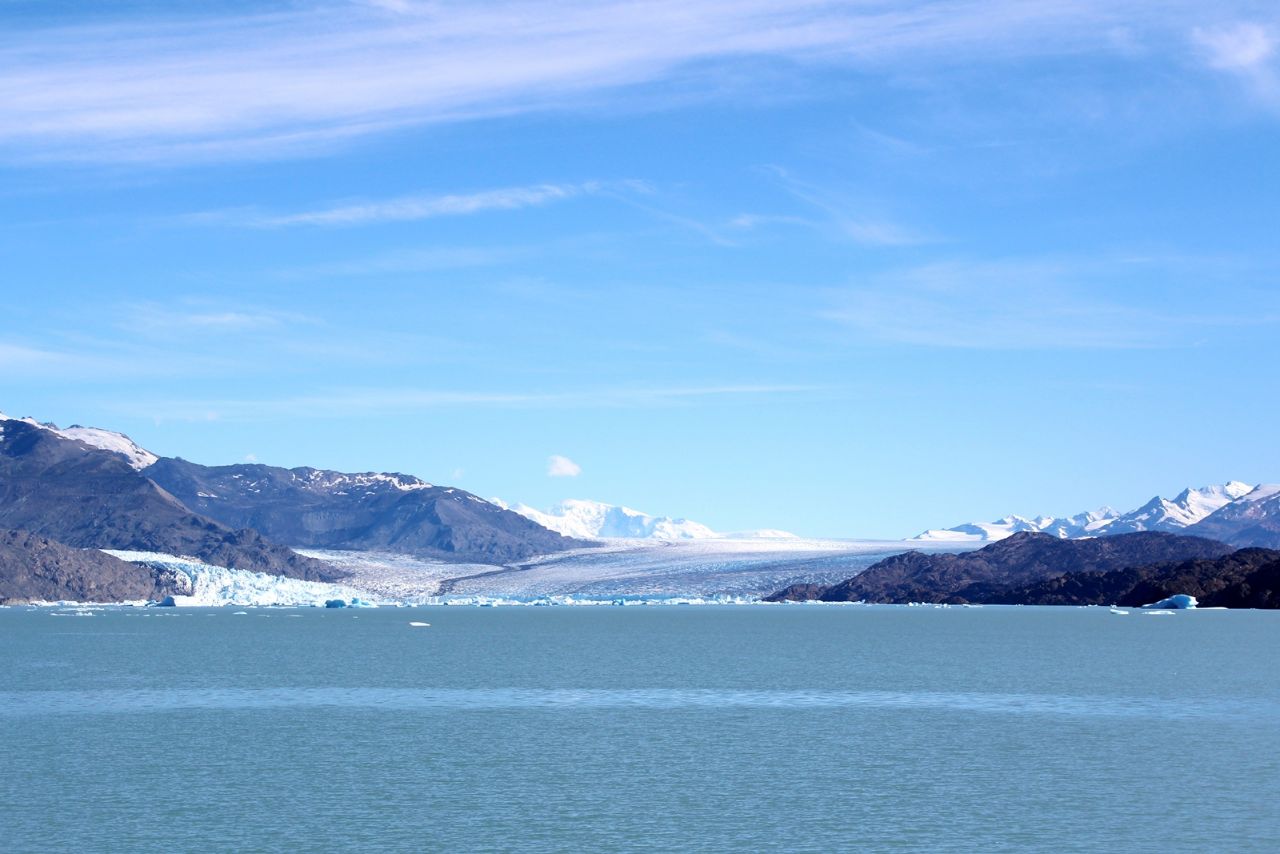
x: 845, y: 269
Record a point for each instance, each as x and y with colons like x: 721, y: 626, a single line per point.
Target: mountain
x: 1248, y: 578
x: 1251, y: 520
x: 35, y: 568
x: 316, y: 508
x: 84, y: 496
x: 1021, y: 559
x: 585, y: 519
x: 1159, y: 514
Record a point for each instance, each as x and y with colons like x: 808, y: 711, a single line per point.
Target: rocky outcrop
x: 35, y: 568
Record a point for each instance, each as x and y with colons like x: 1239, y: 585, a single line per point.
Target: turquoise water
x: 672, y: 728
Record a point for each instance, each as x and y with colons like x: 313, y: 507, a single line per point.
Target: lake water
x: 650, y: 728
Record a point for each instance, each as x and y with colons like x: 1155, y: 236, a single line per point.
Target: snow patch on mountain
x: 594, y: 520
x: 107, y: 440
x: 321, y: 480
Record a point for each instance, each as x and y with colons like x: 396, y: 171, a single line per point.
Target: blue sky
x: 842, y: 268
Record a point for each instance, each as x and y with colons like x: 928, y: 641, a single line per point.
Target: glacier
x: 217, y: 585
x: 625, y: 571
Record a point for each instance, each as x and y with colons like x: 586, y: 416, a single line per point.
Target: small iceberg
x: 1116, y: 610
x: 335, y: 603
x: 1177, y: 602
x: 419, y: 625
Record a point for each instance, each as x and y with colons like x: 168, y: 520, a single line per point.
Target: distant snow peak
x: 1159, y: 514
x: 590, y: 520
x: 106, y: 440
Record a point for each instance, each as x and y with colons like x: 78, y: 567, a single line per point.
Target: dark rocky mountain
x: 1022, y: 559
x: 307, y: 507
x: 86, y: 497
x: 1248, y: 578
x: 37, y: 568
x: 1253, y: 520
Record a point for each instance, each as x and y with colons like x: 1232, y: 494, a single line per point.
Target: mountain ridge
x: 319, y: 508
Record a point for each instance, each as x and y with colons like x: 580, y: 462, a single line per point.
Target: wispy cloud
x: 405, y: 261
x: 407, y: 208
x: 1247, y: 50
x: 559, y: 466
x: 319, y: 73
x: 188, y: 317
x: 847, y: 218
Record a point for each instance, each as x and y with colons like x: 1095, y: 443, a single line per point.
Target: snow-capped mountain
x: 592, y: 520
x: 1252, y: 519
x: 1190, y: 507
x: 107, y: 440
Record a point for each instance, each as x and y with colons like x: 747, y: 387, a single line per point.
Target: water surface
x: 672, y: 728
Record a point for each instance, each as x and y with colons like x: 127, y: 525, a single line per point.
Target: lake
x: 800, y: 728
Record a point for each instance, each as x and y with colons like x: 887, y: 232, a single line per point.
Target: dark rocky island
x: 985, y: 575
x: 1248, y: 578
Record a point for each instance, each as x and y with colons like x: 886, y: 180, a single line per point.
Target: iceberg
x: 1177, y: 602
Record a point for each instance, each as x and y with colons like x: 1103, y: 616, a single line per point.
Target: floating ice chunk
x: 1116, y: 610
x: 335, y: 603
x: 1159, y: 613
x: 419, y: 625
x: 1179, y: 602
